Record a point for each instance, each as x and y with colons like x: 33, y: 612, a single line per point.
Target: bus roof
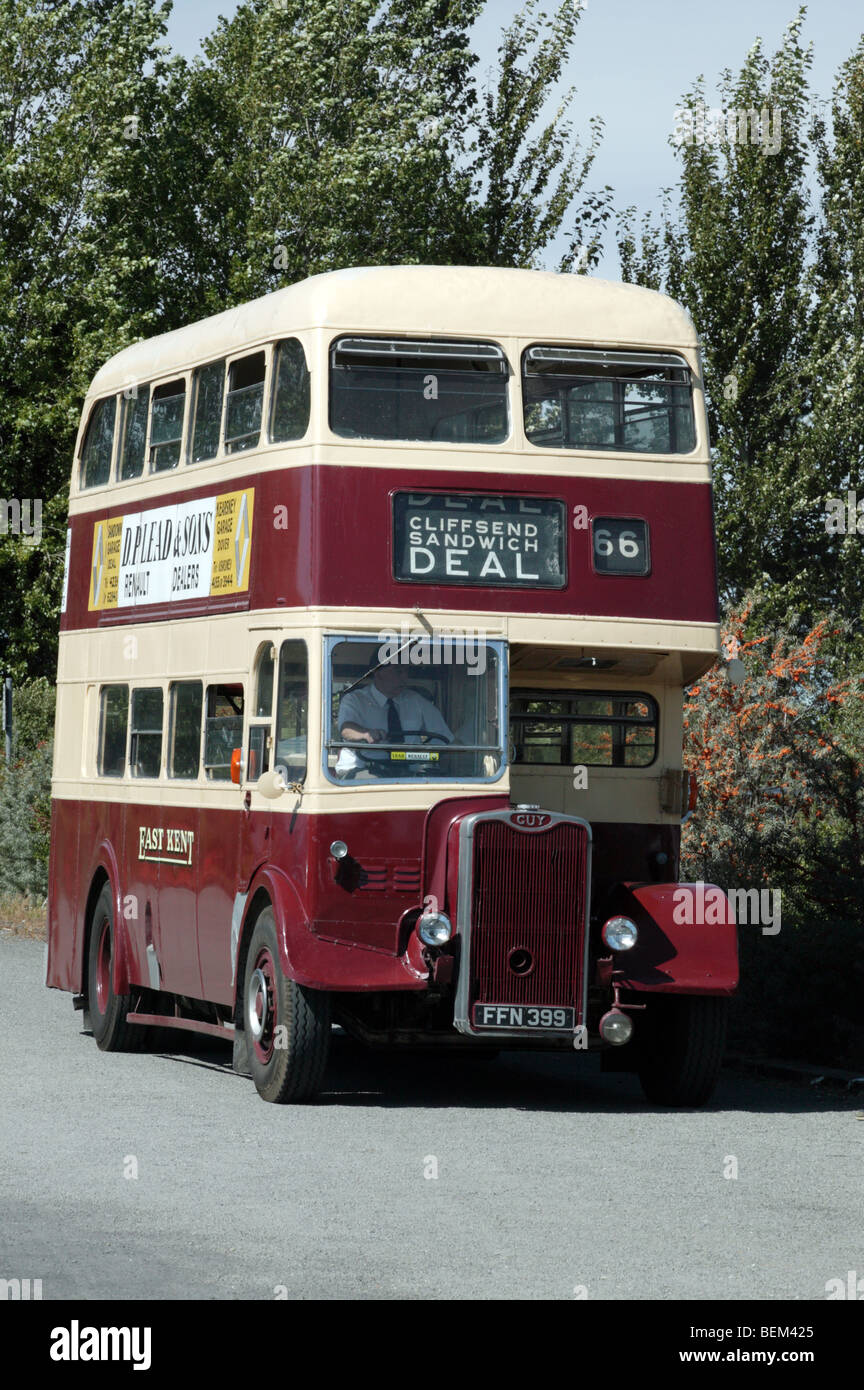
x: 484, y: 302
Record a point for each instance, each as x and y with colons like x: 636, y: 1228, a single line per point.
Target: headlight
x: 616, y: 1027
x: 434, y: 928
x: 339, y: 849
x: 620, y: 933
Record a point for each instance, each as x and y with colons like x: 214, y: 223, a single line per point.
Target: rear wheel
x: 682, y: 1050
x: 287, y: 1026
x: 108, y: 1011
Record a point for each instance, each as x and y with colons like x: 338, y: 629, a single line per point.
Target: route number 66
x: 620, y: 545
x: 628, y: 546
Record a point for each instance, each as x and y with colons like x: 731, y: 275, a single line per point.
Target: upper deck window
x: 98, y: 444
x: 133, y: 433
x: 632, y: 402
x: 400, y: 388
x: 245, y: 399
x: 209, y: 384
x: 290, y: 409
x: 166, y: 424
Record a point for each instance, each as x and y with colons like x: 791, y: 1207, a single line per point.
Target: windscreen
x: 429, y: 709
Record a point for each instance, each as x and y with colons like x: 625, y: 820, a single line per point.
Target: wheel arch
x: 268, y: 888
x: 106, y: 871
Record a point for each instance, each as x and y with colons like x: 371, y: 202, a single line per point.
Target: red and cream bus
x: 381, y: 595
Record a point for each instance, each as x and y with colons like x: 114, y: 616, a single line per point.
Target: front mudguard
x: 678, y: 951
x: 313, y: 960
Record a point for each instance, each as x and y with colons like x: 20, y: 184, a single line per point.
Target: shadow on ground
x: 359, y: 1076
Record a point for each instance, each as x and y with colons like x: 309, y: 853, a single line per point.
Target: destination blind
x: 478, y: 538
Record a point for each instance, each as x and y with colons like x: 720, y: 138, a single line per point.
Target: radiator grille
x: 528, y: 896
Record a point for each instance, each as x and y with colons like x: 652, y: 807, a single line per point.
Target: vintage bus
x: 382, y: 592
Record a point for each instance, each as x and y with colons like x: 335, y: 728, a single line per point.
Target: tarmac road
x: 551, y: 1179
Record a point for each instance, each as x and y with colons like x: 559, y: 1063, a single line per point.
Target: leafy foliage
x: 139, y: 192
x: 780, y: 763
x: 782, y: 344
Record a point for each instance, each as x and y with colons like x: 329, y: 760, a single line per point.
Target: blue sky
x: 632, y: 61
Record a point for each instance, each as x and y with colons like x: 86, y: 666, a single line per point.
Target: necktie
x: 394, y: 724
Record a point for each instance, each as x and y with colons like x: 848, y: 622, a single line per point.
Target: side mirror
x: 271, y: 784
x: 237, y: 766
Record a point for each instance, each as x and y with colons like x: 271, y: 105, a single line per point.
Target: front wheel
x: 683, y: 1048
x: 287, y: 1026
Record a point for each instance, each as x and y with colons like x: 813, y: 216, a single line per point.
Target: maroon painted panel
x: 336, y: 548
x: 671, y: 956
x: 63, y: 880
x: 339, y: 935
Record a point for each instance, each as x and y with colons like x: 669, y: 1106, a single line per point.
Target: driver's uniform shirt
x: 367, y: 708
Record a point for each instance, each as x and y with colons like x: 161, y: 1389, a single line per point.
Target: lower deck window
x: 145, y: 743
x: 587, y: 729
x: 292, y: 710
x: 223, y: 730
x: 184, y: 751
x: 113, y: 725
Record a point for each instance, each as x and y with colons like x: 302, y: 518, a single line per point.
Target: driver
x: 383, y: 711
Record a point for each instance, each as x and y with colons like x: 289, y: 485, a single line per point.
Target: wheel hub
x: 258, y: 1004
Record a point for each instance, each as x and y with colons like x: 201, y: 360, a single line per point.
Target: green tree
x: 736, y: 250
x: 139, y: 192
x: 82, y: 108
x: 836, y: 441
x: 351, y: 133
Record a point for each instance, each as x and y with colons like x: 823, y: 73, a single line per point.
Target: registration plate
x: 524, y: 1016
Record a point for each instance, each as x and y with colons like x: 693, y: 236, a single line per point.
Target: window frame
x: 302, y: 641
x: 273, y: 379
x: 171, y: 727
x: 258, y: 721
x: 100, y: 742
x: 165, y: 380
x: 204, y: 767
x: 584, y: 353
x: 125, y: 403
x: 231, y: 359
x: 332, y: 640
x: 499, y: 354
x: 148, y: 733
x: 94, y: 405
x: 219, y: 455
x: 567, y: 720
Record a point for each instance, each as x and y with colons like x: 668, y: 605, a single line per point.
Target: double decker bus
x: 382, y: 592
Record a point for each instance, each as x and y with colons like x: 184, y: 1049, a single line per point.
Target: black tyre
x: 682, y: 1049
x: 108, y: 1011
x: 287, y: 1026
